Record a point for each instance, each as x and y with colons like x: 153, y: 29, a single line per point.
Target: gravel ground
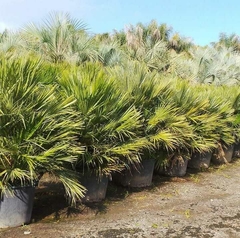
x: 205, y: 204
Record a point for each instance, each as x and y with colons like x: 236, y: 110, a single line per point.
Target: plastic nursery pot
x: 223, y: 155
x: 177, y: 167
x: 236, y: 151
x: 136, y: 177
x: 96, y: 187
x: 16, y: 208
x: 200, y: 160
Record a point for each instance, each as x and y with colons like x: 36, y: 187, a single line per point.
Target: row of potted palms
x: 77, y: 121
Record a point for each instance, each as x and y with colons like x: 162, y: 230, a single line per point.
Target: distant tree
x: 120, y: 37
x: 149, y: 34
x: 12, y: 42
x: 228, y: 41
x: 110, y: 54
x: 60, y: 38
x: 210, y: 65
x: 179, y: 43
x: 102, y: 37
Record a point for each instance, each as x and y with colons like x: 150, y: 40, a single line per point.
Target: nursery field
x: 205, y: 204
x: 133, y: 106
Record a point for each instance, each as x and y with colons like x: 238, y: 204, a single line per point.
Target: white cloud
x: 4, y: 26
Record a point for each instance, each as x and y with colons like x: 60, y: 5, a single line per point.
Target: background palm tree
x: 209, y: 65
x: 228, y: 41
x: 110, y: 54
x: 56, y: 38
x: 12, y: 43
x: 179, y: 43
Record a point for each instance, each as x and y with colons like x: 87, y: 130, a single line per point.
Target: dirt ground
x: 205, y: 205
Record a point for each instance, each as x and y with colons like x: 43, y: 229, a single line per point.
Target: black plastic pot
x: 177, y: 167
x: 96, y: 187
x: 16, y: 208
x: 136, y: 177
x: 200, y: 160
x: 223, y: 156
x: 236, y: 152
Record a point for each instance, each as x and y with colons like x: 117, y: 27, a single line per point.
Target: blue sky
x: 200, y: 20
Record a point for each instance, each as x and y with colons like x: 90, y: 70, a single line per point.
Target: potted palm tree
x: 37, y: 135
x: 182, y: 106
x: 109, y: 126
x: 224, y: 128
x: 203, y: 118
x: 172, y: 139
x: 145, y: 90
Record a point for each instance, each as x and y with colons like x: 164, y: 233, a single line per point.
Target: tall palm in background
x: 60, y: 38
x: 110, y: 54
x: 209, y: 65
x: 12, y: 43
x: 228, y: 41
x: 148, y: 44
x: 179, y: 44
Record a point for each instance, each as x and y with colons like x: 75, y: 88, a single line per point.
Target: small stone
x: 27, y: 232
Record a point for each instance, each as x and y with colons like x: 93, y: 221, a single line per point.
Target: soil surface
x: 204, y: 204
